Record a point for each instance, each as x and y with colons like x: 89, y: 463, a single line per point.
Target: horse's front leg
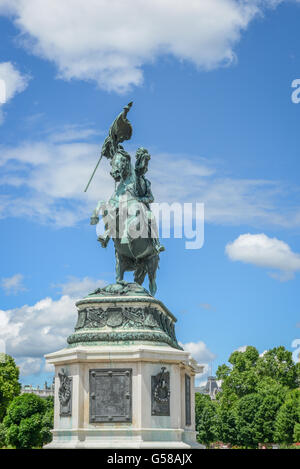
x: 120, y: 268
x: 152, y: 265
x: 95, y: 214
x: 103, y: 239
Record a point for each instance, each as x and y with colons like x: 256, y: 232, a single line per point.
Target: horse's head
x: 121, y: 165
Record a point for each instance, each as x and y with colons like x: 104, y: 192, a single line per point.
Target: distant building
x: 44, y: 392
x: 211, y: 388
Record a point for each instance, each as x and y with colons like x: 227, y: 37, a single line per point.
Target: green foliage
x: 28, y: 421
x: 223, y: 371
x: 287, y: 420
x: 244, y: 360
x: 49, y: 402
x: 226, y: 429
x: 250, y: 419
x: 242, y: 378
x: 48, y: 421
x: 2, y: 435
x: 272, y: 395
x: 205, y: 419
x: 200, y: 402
x: 259, y: 402
x: 298, y: 374
x: 248, y: 431
x: 297, y: 432
x: 9, y: 383
x: 278, y: 364
x: 26, y: 434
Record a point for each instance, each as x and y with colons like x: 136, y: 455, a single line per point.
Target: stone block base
x: 124, y: 396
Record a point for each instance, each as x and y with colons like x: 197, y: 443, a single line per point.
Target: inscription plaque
x: 188, y: 420
x: 160, y: 393
x: 110, y: 395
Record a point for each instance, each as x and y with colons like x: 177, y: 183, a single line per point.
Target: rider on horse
x: 131, y: 225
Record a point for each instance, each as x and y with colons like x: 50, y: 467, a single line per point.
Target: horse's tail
x: 140, y: 273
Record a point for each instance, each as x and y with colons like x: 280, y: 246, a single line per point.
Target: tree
x: 201, y: 401
x: 242, y: 378
x: 9, y: 383
x: 287, y: 420
x: 2, y: 435
x: 254, y: 389
x: 48, y: 421
x: 278, y: 364
x: 272, y: 395
x: 248, y: 431
x: 245, y: 421
x: 205, y: 419
x: 27, y: 421
x: 297, y: 433
x: 226, y: 430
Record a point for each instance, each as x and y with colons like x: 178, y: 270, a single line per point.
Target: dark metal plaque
x: 111, y: 395
x: 188, y: 419
x: 160, y: 393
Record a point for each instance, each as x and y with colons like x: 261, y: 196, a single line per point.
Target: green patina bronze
x: 121, y: 338
x: 134, y: 232
x: 121, y: 289
x: 126, y: 313
x: 126, y: 319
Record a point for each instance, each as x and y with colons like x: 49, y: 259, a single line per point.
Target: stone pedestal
x: 123, y: 381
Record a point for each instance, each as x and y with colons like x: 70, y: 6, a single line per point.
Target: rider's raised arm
x: 108, y: 148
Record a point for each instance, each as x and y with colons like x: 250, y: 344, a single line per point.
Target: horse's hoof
x: 94, y: 220
x: 103, y: 241
x: 122, y: 282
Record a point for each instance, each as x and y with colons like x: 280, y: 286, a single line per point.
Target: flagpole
x: 93, y: 173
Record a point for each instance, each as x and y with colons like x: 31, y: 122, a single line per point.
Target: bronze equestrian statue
x: 127, y: 215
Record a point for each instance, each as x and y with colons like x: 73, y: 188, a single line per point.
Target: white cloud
x: 30, y: 332
x: 29, y: 366
x: 48, y: 367
x: 262, y: 251
x: 201, y: 382
x: 77, y: 288
x: 199, y: 352
x: 7, y: 327
x: 227, y: 200
x: 73, y: 133
x: 13, y: 285
x: 12, y: 82
x: 52, y: 174
x: 242, y: 348
x: 109, y: 41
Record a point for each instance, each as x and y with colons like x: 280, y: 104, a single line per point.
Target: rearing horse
x: 134, y: 229
x: 127, y: 220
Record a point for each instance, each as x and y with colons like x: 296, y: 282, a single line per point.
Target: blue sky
x: 211, y: 85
